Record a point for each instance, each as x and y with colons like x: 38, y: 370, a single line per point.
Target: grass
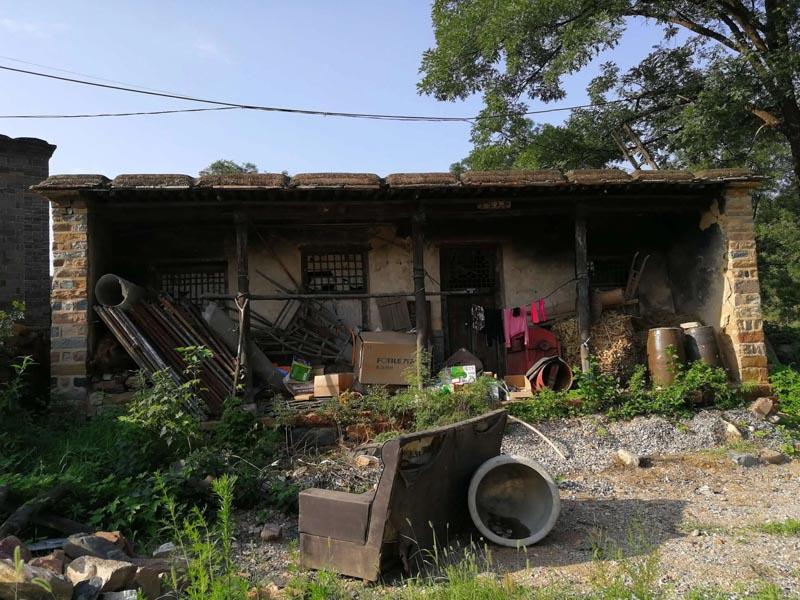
x: 789, y: 527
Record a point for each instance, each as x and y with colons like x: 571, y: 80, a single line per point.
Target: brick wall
x: 69, y: 298
x: 24, y: 227
x: 741, y: 322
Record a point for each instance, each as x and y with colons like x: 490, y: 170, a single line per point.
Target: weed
x: 787, y: 527
x: 172, y: 411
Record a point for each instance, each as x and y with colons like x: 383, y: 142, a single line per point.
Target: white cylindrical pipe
x: 114, y: 291
x: 513, y: 501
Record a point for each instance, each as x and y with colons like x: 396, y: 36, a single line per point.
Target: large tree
x: 737, y: 73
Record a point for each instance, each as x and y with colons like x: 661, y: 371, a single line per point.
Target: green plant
x: 786, y: 384
x: 787, y: 527
x: 12, y: 391
x: 171, y: 410
x: 206, y: 548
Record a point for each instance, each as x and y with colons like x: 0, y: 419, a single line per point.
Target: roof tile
x: 148, y: 181
x: 336, y: 180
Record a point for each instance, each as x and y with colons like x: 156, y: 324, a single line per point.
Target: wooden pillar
x: 420, y: 307
x: 582, y: 276
x: 243, y: 301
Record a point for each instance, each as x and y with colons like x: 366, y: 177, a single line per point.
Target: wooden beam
x: 243, y: 301
x: 420, y: 310
x: 582, y: 276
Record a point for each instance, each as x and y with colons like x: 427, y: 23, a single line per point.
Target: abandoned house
x: 431, y: 252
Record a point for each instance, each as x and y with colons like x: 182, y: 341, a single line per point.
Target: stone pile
x: 101, y: 565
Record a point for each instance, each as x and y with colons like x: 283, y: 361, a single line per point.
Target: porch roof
x: 584, y: 179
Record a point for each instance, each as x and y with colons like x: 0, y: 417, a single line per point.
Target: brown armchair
x: 420, y: 501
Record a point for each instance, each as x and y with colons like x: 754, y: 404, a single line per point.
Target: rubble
x: 763, y: 407
x: 773, y: 457
x: 745, y: 460
x: 629, y: 459
x: 271, y: 532
x: 23, y: 583
x: 7, y: 546
x: 115, y: 574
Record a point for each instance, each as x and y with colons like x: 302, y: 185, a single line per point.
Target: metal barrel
x: 700, y: 342
x: 664, y: 353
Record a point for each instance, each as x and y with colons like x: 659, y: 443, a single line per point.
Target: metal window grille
x: 335, y: 272
x: 464, y: 268
x: 609, y: 271
x: 192, y: 282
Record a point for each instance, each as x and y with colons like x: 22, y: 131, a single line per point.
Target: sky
x: 350, y: 55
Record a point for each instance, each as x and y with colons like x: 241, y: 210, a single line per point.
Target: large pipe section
x: 115, y: 292
x: 513, y: 501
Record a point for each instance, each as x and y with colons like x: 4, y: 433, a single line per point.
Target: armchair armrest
x: 335, y: 515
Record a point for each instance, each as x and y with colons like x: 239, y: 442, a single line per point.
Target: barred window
x: 335, y: 270
x: 191, y: 281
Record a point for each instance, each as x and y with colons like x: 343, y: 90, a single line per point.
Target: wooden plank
x: 418, y: 245
x: 582, y: 276
x: 243, y: 291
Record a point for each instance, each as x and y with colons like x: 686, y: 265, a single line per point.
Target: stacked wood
x: 614, y: 343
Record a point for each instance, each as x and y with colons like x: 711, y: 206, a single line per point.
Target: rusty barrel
x: 700, y: 342
x: 664, y: 353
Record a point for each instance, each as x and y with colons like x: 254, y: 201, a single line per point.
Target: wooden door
x: 469, y: 267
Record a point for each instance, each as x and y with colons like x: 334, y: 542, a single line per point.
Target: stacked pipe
x: 151, y: 332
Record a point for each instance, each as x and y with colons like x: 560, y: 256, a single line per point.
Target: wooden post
x: 243, y: 300
x: 420, y: 307
x: 582, y: 276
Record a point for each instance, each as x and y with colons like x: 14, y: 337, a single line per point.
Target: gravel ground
x: 590, y: 443
x: 692, y: 505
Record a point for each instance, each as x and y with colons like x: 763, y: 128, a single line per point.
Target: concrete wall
x: 24, y: 227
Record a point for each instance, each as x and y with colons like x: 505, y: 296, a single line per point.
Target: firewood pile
x: 615, y: 343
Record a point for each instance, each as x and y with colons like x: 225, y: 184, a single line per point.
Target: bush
x: 786, y: 384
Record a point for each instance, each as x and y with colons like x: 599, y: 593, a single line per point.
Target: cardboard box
x: 332, y: 384
x: 521, y: 383
x: 383, y: 357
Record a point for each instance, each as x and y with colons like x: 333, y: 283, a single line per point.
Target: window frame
x: 308, y: 251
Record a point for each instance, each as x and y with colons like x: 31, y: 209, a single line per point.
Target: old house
x: 372, y: 249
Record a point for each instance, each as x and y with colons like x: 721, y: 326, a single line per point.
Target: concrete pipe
x: 114, y: 291
x: 513, y: 501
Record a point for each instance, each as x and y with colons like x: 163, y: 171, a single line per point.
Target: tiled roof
x: 399, y: 181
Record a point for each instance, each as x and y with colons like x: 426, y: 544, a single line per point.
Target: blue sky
x: 359, y: 56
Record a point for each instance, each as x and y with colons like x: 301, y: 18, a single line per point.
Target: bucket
x: 700, y: 342
x: 513, y: 501
x: 664, y: 353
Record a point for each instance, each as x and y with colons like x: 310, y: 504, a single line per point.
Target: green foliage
x: 228, y: 167
x: 695, y: 385
x: 14, y: 314
x: 787, y: 527
x: 170, y: 410
x: 210, y: 572
x: 786, y: 383
x: 12, y: 391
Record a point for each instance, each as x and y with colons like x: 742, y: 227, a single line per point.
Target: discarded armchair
x: 420, y: 501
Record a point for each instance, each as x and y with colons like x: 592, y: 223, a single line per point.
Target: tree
x: 738, y: 72
x: 228, y: 167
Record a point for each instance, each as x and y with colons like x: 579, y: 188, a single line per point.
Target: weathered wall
x: 69, y: 299
x: 24, y: 227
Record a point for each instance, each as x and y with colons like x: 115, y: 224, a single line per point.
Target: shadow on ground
x: 588, y: 526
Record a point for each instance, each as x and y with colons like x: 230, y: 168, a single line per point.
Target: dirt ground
x: 697, y: 511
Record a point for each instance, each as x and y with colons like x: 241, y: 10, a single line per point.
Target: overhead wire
x: 120, y: 114
x: 257, y: 107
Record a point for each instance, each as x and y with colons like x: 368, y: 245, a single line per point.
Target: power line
x: 221, y: 103
x: 120, y: 114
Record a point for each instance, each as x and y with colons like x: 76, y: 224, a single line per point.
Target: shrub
x: 170, y: 410
x: 786, y: 383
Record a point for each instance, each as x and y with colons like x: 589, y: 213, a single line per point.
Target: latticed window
x: 335, y: 270
x: 191, y: 281
x: 608, y: 271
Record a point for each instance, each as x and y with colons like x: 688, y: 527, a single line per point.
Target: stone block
x: 755, y: 374
x: 753, y: 361
x: 750, y: 337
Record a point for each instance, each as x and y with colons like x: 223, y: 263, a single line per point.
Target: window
x: 608, y: 271
x: 191, y: 281
x: 335, y: 270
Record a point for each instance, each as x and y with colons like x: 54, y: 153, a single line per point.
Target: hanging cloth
x: 493, y: 329
x: 538, y: 311
x: 515, y: 323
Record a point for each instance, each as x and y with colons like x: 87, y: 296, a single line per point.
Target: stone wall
x: 24, y: 227
x: 741, y: 321
x: 69, y: 298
